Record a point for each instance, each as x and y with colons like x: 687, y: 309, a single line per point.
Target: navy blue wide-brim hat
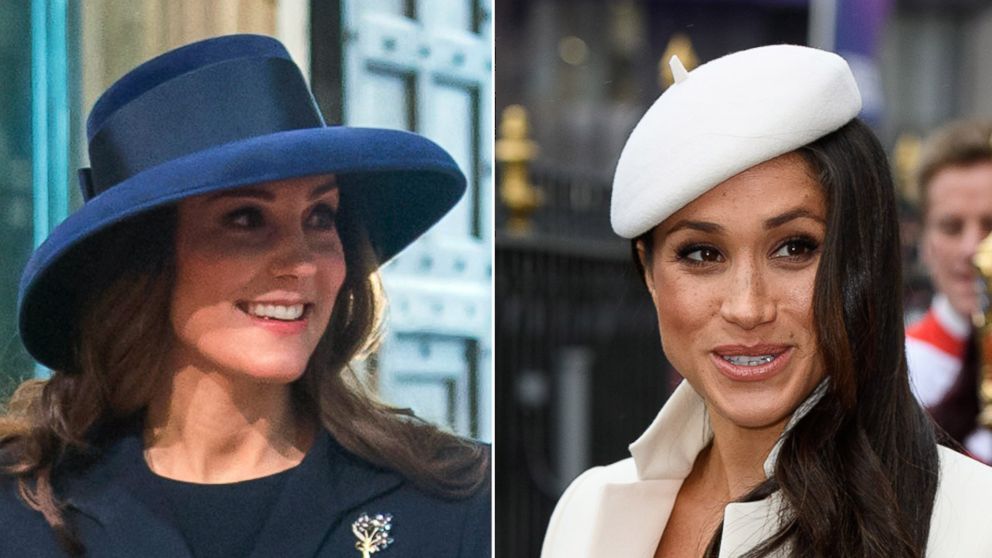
x: 213, y: 115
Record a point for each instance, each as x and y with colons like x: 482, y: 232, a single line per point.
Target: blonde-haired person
x: 199, y: 313
x: 762, y: 218
x: 955, y: 192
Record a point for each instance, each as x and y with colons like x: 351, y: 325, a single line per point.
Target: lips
x: 745, y: 360
x: 276, y: 311
x: 750, y: 350
x: 750, y: 363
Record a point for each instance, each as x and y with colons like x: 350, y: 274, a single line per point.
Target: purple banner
x: 858, y: 26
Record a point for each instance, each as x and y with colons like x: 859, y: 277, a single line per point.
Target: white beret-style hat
x: 723, y: 118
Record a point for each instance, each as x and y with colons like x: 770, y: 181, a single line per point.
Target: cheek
x: 204, y: 277
x: 797, y: 313
x: 205, y: 283
x: 331, y: 274
x: 795, y: 323
x: 797, y: 293
x: 948, y: 246
x: 939, y: 255
x: 684, y: 307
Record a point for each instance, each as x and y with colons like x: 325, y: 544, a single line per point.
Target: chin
x: 755, y: 419
x: 278, y: 374
x: 754, y: 411
x: 268, y: 368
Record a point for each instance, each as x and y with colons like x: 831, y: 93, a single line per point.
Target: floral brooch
x: 372, y: 533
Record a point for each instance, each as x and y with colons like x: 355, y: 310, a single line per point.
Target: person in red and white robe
x: 955, y: 180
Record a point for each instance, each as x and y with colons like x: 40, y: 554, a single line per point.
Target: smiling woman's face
x: 731, y: 275
x: 257, y: 272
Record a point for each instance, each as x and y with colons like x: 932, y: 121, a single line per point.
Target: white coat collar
x: 622, y: 509
x: 668, y: 448
x: 631, y: 512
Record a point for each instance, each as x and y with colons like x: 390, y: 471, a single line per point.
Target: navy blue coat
x: 111, y: 503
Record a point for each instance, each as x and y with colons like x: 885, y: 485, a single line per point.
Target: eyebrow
x: 323, y: 189
x: 770, y: 223
x: 797, y: 213
x: 266, y: 195
x: 702, y: 226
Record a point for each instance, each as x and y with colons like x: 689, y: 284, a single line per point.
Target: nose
x: 747, y: 301
x: 293, y: 256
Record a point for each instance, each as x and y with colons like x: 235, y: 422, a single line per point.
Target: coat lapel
x: 329, y: 484
x: 747, y: 524
x: 125, y: 513
x: 631, y: 517
x: 118, y: 493
x: 632, y: 514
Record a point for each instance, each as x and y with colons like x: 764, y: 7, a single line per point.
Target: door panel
x: 421, y: 66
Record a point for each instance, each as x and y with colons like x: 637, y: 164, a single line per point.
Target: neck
x: 211, y: 427
x: 734, y: 463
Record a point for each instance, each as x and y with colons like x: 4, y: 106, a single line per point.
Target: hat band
x: 217, y: 104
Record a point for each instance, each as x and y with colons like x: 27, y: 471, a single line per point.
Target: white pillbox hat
x: 723, y: 118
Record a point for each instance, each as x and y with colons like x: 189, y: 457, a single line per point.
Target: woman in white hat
x: 762, y: 218
x: 199, y: 313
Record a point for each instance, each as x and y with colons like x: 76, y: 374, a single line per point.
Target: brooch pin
x: 372, y: 533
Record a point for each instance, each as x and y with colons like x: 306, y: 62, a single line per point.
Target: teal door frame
x: 49, y: 120
x: 49, y: 115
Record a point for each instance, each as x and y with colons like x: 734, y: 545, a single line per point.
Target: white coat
x: 622, y: 509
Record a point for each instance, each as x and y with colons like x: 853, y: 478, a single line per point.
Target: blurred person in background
x: 955, y: 189
x: 762, y: 218
x: 200, y: 313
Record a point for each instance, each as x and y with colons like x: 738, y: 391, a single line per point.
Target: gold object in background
x: 906, y: 161
x: 679, y: 45
x: 515, y: 151
x: 573, y: 50
x: 983, y: 322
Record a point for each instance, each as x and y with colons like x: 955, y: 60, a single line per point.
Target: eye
x: 244, y: 218
x: 950, y: 227
x: 796, y: 248
x: 697, y: 255
x: 322, y: 217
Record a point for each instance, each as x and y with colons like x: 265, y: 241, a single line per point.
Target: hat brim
x: 401, y: 183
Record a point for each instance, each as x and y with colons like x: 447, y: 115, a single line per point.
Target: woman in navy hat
x: 199, y: 313
x: 762, y: 219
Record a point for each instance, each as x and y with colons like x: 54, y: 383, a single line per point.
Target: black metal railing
x: 579, y: 367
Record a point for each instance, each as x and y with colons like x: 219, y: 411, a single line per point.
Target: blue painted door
x: 426, y: 66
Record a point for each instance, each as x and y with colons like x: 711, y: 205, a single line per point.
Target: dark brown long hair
x: 858, y: 473
x: 119, y: 345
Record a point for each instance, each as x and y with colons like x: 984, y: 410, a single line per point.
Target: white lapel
x: 747, y: 524
x: 633, y: 509
x: 630, y: 516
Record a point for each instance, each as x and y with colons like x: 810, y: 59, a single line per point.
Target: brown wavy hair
x: 859, y: 472
x: 122, y: 334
